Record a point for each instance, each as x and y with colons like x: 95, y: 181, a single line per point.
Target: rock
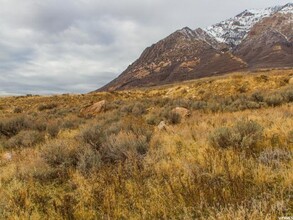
x: 162, y: 126
x: 291, y: 81
x: 7, y: 156
x: 183, y: 112
x: 95, y: 109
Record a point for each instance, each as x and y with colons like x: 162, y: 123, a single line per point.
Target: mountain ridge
x: 259, y: 38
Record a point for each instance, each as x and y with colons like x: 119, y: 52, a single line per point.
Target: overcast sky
x: 73, y: 46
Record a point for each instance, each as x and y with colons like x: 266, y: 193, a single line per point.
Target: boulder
x: 162, y: 126
x: 95, y: 109
x: 183, y: 112
x: 7, y: 156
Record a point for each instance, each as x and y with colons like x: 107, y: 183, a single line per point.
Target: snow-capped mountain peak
x: 234, y: 30
x: 187, y: 32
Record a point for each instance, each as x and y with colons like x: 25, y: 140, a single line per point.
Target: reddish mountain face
x: 183, y: 55
x: 269, y: 43
x: 265, y: 40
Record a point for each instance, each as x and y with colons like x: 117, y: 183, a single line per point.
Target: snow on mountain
x: 187, y: 32
x: 287, y: 9
x: 234, y: 30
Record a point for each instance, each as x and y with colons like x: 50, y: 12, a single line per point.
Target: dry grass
x: 119, y: 165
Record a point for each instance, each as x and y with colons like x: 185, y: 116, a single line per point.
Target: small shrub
x: 39, y: 125
x: 257, y: 96
x: 161, y: 102
x: 152, y: 119
x: 222, y: 137
x: 180, y: 102
x: 94, y: 136
x: 274, y: 100
x: 244, y: 135
x: 137, y: 126
x: 138, y: 109
x: 60, y: 154
x: 53, y: 130
x: 173, y: 118
x: 250, y: 132
x: 197, y: 105
x: 242, y: 104
x: 126, y: 108
x: 43, y: 107
x: 214, y: 106
x: 117, y: 141
x: 17, y: 110
x: 274, y: 157
x: 88, y: 160
x: 288, y: 95
x: 25, y: 139
x: 70, y: 124
x: 123, y: 146
x: 242, y: 89
x: 12, y: 126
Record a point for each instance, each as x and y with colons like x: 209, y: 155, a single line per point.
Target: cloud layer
x: 74, y: 46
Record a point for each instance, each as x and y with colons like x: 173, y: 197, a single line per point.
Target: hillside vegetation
x: 230, y: 157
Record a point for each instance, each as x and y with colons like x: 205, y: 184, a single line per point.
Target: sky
x: 77, y: 46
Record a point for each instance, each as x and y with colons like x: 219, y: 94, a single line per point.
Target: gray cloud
x: 54, y: 46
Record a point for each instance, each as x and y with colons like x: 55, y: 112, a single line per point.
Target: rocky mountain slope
x: 252, y: 39
x: 269, y: 42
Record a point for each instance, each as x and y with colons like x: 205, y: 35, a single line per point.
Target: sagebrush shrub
x: 244, y: 135
x: 123, y: 146
x: 288, y: 95
x: 126, y: 108
x: 257, y: 96
x: 53, y: 130
x: 197, y: 105
x: 12, y: 126
x: 39, y: 125
x: 222, y: 137
x: 274, y: 100
x: 173, y: 118
x: 138, y: 109
x: 88, y: 160
x: 60, y: 154
x: 26, y: 138
x: 116, y: 141
x: 17, y: 110
x: 152, y: 119
x: 94, y: 136
x: 274, y: 157
x: 70, y: 124
x: 43, y: 107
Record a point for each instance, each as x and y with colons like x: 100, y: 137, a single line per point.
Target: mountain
x: 269, y: 43
x: 252, y: 39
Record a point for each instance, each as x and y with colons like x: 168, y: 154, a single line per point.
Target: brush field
x: 231, y: 157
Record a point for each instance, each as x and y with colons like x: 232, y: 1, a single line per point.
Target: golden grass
x: 180, y: 177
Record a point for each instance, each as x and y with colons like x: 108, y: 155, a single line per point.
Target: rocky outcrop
x: 94, y: 109
x: 183, y: 112
x: 162, y: 126
x: 7, y: 156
